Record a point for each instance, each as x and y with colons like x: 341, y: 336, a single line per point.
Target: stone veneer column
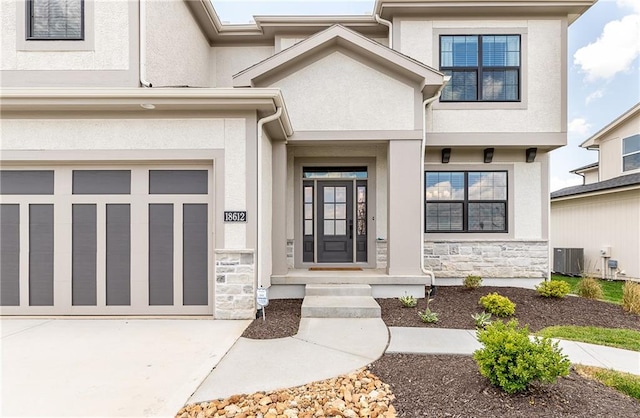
x: 235, y: 285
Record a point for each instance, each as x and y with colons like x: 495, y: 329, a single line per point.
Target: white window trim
x: 622, y: 170
x: 22, y: 44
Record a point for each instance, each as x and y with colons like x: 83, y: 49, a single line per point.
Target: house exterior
x: 602, y: 215
x: 158, y: 162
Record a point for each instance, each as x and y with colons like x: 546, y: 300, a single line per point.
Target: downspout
x: 425, y: 105
x: 389, y: 25
x: 142, y: 12
x: 261, y: 123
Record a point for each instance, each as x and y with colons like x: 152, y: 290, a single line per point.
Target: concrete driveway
x: 107, y: 367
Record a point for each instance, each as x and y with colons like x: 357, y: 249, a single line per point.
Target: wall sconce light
x: 488, y: 155
x: 531, y: 154
x: 446, y: 155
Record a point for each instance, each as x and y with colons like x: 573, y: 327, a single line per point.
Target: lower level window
x: 466, y: 201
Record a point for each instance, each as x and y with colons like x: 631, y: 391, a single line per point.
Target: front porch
x: 293, y: 284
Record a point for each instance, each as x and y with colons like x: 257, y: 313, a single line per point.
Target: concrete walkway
x: 323, y: 348
x: 457, y: 341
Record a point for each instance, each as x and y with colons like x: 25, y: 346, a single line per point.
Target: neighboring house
x: 602, y: 215
x: 157, y: 161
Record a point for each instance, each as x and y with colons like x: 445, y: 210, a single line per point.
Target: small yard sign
x: 262, y: 296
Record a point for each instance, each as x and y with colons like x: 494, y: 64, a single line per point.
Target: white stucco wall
x: 110, y: 30
x: 611, y: 219
x: 232, y: 60
x: 177, y: 51
x: 541, y: 107
x: 528, y: 200
x: 340, y: 93
x: 96, y: 134
x: 235, y: 182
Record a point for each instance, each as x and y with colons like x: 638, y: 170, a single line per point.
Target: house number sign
x: 235, y: 216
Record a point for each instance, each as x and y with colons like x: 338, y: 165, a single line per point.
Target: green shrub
x: 428, y: 316
x: 472, y: 282
x: 511, y: 361
x: 631, y: 297
x: 408, y: 301
x: 498, y: 305
x: 553, y: 289
x: 482, y: 319
x: 590, y: 288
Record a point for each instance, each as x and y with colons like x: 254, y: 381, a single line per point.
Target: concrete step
x: 338, y: 290
x: 340, y: 307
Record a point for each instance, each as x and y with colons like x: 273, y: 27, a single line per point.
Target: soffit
x: 61, y: 101
x: 631, y: 114
x: 571, y: 9
x: 339, y: 38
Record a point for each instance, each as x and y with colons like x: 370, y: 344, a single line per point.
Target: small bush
x: 498, y: 305
x: 472, y: 282
x: 590, y: 288
x: 428, y: 316
x: 631, y: 297
x: 408, y: 301
x: 553, y: 289
x: 511, y: 361
x: 482, y: 319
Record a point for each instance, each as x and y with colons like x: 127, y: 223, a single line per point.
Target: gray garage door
x: 106, y: 240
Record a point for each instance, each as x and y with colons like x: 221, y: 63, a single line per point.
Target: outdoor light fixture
x: 446, y: 155
x: 488, y: 155
x: 147, y: 106
x: 531, y: 154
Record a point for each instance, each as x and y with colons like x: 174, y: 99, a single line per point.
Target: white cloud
x: 558, y: 183
x: 616, y: 48
x: 578, y: 126
x: 632, y: 4
x: 598, y: 94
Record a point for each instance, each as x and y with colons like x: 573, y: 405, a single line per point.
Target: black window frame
x: 465, y: 204
x: 480, y: 69
x: 29, y: 25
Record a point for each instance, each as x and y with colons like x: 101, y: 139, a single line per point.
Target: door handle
x: 350, y: 228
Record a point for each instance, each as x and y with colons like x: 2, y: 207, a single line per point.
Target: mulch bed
x: 451, y: 386
x: 455, y: 305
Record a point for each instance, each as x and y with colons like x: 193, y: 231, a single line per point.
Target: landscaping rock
x: 358, y: 394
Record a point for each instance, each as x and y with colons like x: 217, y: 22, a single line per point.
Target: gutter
x: 261, y: 124
x: 142, y: 12
x: 389, y: 25
x: 425, y: 105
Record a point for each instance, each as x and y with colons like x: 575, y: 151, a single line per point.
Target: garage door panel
x: 118, y: 254
x: 178, y: 182
x: 160, y: 254
x: 97, y: 182
x: 26, y: 182
x: 41, y: 255
x: 195, y: 253
x: 84, y: 255
x: 10, y: 255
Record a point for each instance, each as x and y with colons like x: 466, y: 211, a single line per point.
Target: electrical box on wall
x: 605, y: 252
x: 613, y: 264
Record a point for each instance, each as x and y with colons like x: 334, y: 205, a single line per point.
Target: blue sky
x: 604, y: 61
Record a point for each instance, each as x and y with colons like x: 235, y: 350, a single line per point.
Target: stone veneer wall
x: 235, y: 285
x: 381, y: 253
x: 489, y: 259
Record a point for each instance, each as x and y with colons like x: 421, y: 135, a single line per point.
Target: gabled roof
x: 629, y: 180
x: 592, y: 142
x: 338, y: 37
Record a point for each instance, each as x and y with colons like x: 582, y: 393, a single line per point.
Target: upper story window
x: 631, y: 153
x: 482, y: 67
x: 53, y: 20
x: 466, y: 201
